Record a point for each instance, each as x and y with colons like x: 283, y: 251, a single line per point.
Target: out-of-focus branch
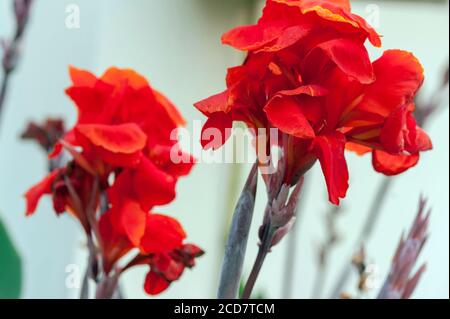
x: 11, y: 47
x: 325, y: 250
x: 237, y: 239
x: 435, y: 104
x: 423, y: 113
x: 400, y: 283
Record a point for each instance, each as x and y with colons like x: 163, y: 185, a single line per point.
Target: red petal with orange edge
x: 162, y: 234
x: 44, y: 187
x: 133, y: 220
x: 155, y: 283
x: 357, y: 148
x: 171, y: 109
x: 329, y: 149
x: 82, y: 78
x: 338, y: 12
x: 399, y: 75
x: 124, y: 77
x: 125, y: 138
x: 391, y: 165
x: 253, y: 37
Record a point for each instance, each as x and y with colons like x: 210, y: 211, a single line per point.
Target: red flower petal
x: 392, y: 135
x: 216, y: 131
x: 422, y: 142
x: 171, y: 109
x: 285, y: 111
x: 357, y: 148
x: 133, y: 220
x: 115, y: 243
x: 125, y: 138
x: 34, y: 194
x: 399, y: 75
x: 168, y: 266
x: 162, y: 234
x: 155, y: 283
x: 146, y: 184
x: 401, y: 133
x: 215, y: 103
x: 329, y: 149
x: 288, y: 37
x: 253, y: 37
x: 124, y: 77
x: 89, y: 101
x: 172, y: 160
x: 82, y: 78
x: 339, y: 13
x: 351, y: 57
x: 391, y: 165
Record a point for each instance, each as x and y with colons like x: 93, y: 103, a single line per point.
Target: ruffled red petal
x: 391, y: 165
x: 34, y: 194
x: 329, y: 149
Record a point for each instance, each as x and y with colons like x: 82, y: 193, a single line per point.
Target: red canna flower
x: 121, y: 148
x: 159, y: 240
x: 309, y: 75
x: 166, y: 268
x: 124, y: 129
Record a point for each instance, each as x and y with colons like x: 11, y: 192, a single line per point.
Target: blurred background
x: 176, y: 45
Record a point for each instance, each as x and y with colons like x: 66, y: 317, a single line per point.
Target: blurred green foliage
x: 10, y: 267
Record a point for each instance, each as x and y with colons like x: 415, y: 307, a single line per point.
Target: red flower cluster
x: 308, y: 74
x: 121, y: 150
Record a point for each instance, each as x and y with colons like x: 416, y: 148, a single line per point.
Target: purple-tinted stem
x: 11, y: 47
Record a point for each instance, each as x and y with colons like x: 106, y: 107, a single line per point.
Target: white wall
x: 176, y: 44
x: 45, y: 242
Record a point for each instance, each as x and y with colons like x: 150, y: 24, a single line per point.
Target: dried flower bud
x: 46, y: 134
x: 282, y: 232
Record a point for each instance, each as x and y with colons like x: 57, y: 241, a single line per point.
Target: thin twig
x: 89, y: 273
x: 11, y: 47
x: 237, y: 239
x: 325, y: 251
x: 366, y: 233
x: 4, y: 88
x: 290, y: 262
x: 264, y: 249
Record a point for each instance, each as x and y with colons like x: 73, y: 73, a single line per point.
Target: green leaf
x: 10, y: 267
